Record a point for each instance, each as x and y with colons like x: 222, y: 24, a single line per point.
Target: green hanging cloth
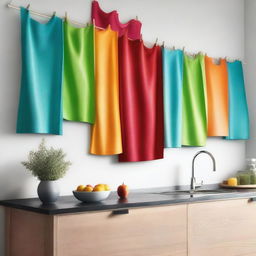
x: 78, y: 87
x: 194, y: 104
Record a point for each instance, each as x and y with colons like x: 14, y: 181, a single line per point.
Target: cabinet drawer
x: 159, y: 231
x: 28, y: 233
x: 226, y: 228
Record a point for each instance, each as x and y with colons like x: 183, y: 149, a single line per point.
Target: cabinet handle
x: 252, y: 199
x: 124, y: 211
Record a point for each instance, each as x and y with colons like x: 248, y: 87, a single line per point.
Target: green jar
x: 246, y: 177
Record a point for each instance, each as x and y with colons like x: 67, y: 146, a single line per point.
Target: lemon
x: 99, y: 187
x: 88, y: 189
x: 232, y: 181
x: 80, y: 188
x: 107, y: 187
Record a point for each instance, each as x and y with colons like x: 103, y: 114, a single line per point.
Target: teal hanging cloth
x: 172, y: 75
x: 238, y: 109
x: 40, y: 105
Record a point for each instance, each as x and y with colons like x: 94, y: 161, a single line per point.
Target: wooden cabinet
x: 156, y: 231
x: 28, y: 233
x: 223, y: 228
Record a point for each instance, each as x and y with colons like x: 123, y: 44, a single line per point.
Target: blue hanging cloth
x: 40, y: 105
x: 172, y: 74
x: 238, y: 109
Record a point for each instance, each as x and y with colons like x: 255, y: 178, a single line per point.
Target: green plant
x: 47, y: 164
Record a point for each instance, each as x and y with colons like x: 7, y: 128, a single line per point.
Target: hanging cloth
x: 103, y: 19
x: 106, y: 132
x: 78, y: 86
x: 238, y: 109
x: 172, y: 75
x: 141, y: 101
x: 40, y: 104
x: 217, y: 96
x: 194, y: 104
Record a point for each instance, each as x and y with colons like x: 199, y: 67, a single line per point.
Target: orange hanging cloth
x: 106, y: 132
x: 217, y: 96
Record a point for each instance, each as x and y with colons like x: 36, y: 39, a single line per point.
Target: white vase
x: 48, y: 191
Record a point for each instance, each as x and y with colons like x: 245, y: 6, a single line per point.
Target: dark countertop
x: 137, y: 198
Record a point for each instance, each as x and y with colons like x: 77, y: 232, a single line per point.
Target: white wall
x: 250, y: 58
x: 215, y: 27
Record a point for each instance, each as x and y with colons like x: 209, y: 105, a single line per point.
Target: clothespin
x: 10, y: 3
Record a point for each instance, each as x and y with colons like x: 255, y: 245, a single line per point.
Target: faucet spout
x: 193, y: 180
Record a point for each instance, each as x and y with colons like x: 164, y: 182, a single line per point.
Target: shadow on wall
x: 8, y: 124
x: 10, y: 73
x: 14, y: 181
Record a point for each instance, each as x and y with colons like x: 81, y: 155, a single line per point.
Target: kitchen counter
x: 149, y: 222
x: 136, y: 199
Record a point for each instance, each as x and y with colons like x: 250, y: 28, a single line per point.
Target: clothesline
x: 16, y: 7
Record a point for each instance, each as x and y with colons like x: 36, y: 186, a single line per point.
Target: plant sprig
x: 47, y: 164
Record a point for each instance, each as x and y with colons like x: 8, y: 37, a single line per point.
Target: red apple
x: 122, y: 191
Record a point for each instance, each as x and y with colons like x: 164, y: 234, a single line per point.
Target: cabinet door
x: 224, y: 228
x: 159, y: 231
x: 28, y: 233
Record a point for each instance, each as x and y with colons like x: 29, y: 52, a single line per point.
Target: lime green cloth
x: 78, y: 87
x: 194, y: 102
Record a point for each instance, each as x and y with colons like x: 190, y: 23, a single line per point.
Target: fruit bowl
x: 88, y: 197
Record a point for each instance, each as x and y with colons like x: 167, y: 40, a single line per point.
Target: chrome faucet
x: 193, y: 184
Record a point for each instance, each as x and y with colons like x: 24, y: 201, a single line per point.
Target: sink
x: 195, y: 192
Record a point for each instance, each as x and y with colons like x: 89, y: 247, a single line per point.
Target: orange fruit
x: 80, y: 188
x: 88, y: 188
x: 99, y: 187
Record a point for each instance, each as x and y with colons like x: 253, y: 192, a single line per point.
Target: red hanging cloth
x: 141, y: 100
x: 103, y: 19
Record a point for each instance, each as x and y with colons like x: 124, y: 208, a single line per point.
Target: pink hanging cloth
x: 103, y: 19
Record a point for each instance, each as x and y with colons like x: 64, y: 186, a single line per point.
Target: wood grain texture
x: 224, y: 228
x: 49, y: 232
x: 7, y: 231
x: 159, y: 231
x: 29, y: 234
